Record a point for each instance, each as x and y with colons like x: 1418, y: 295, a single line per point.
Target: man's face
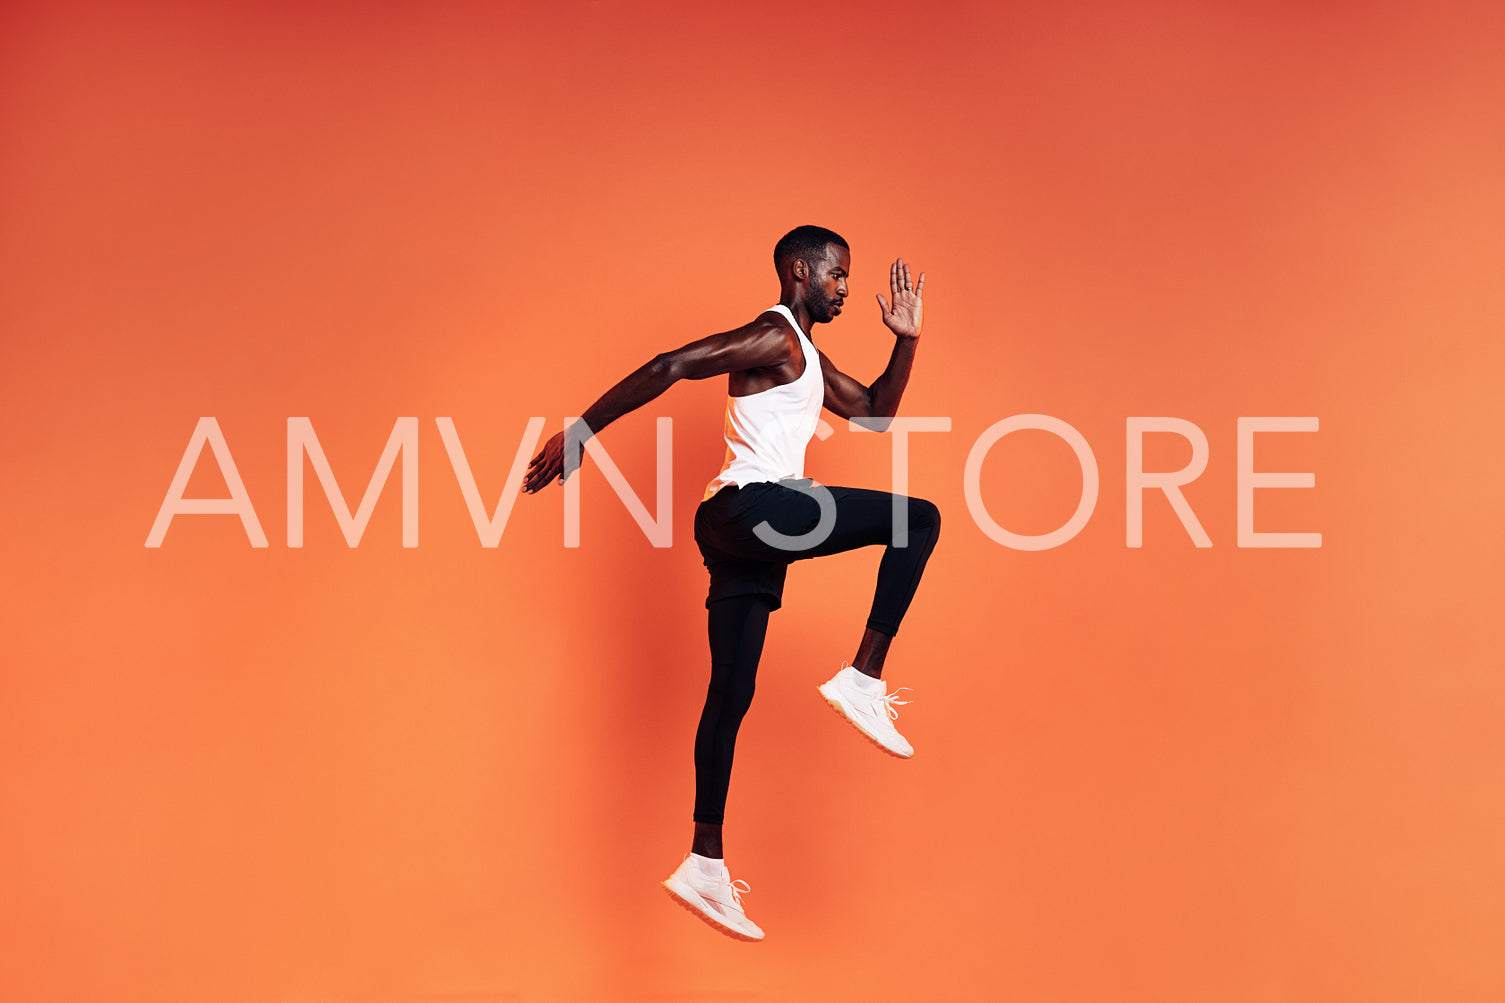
x: 827, y: 286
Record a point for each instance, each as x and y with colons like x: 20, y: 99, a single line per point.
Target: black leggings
x: 747, y: 576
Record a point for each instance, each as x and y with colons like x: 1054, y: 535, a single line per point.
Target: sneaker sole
x: 841, y: 711
x: 700, y: 914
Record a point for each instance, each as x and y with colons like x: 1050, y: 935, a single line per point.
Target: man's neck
x: 801, y: 317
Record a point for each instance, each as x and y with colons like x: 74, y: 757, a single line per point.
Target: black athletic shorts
x: 739, y: 563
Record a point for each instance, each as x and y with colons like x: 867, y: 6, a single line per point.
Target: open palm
x: 908, y: 310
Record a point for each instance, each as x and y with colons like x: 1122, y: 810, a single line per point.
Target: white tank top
x: 767, y: 432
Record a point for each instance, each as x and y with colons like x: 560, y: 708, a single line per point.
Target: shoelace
x: 737, y: 888
x: 888, y: 700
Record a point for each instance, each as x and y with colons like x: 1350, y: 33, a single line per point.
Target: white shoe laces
x: 737, y: 888
x: 889, y: 700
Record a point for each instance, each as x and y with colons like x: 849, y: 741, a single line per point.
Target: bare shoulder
x: 770, y: 322
x: 762, y: 343
x: 771, y: 338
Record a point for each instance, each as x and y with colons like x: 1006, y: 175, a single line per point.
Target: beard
x: 821, y: 306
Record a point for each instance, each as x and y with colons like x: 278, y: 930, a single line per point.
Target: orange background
x: 454, y: 773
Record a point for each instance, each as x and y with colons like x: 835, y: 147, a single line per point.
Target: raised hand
x: 908, y: 311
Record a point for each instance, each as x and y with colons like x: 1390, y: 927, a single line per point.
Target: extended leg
x: 701, y: 883
x: 736, y: 626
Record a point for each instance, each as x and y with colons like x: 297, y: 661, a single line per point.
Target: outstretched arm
x: 764, y: 342
x: 850, y: 399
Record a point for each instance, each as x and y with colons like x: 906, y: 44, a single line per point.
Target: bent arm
x: 760, y: 343
x: 850, y: 399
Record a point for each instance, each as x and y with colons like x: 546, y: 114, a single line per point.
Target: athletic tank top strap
x: 788, y: 315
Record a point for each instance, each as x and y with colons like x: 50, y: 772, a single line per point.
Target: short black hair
x: 807, y: 242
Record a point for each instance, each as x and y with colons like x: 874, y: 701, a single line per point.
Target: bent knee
x: 924, y: 516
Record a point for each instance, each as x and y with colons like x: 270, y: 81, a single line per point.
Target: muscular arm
x: 849, y: 398
x: 764, y: 342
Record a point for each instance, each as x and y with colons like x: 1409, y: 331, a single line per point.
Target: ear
x: 801, y: 269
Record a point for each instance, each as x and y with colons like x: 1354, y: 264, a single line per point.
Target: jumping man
x: 761, y: 513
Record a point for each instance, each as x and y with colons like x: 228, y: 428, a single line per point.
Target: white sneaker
x: 871, y: 712
x: 718, y: 901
